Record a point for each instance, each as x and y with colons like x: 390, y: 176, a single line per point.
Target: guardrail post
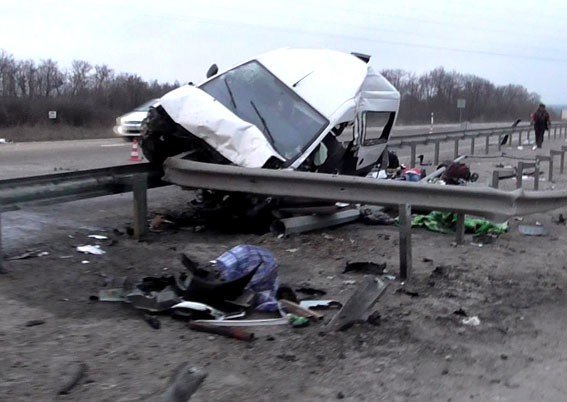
x: 549, y: 159
x: 536, y: 175
x: 460, y: 230
x: 520, y: 138
x: 404, y: 215
x: 487, y: 144
x: 472, y: 145
x: 549, y: 135
x: 562, y: 162
x: 495, y: 179
x: 519, y: 174
x: 412, y: 155
x: 436, y: 153
x: 139, y: 189
x: 2, y: 270
x: 554, y: 133
x: 456, y: 154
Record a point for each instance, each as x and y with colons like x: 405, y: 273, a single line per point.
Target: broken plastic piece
x: 98, y: 237
x: 532, y: 230
x: 320, y: 304
x: 200, y: 307
x: 472, y: 321
x: 88, y: 249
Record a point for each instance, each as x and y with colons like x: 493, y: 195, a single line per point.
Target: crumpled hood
x: 240, y: 142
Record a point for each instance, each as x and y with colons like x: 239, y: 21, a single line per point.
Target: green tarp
x: 446, y: 222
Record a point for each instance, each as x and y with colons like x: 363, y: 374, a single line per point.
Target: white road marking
x: 113, y: 145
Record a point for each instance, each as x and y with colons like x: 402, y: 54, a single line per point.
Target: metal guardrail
x: 480, y: 201
x: 507, y: 133
x: 70, y: 186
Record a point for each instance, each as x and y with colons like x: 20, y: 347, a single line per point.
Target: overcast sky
x: 505, y: 41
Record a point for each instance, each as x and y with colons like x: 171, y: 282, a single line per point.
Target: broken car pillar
x: 404, y: 211
x: 140, y: 191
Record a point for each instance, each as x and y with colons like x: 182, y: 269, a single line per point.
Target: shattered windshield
x: 255, y: 95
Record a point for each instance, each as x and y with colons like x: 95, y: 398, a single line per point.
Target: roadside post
x: 461, y: 103
x: 404, y: 211
x: 140, y: 192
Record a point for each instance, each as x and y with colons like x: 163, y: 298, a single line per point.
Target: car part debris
x: 228, y: 332
x: 78, y: 374
x: 375, y: 216
x: 357, y: 307
x: 183, y: 383
x: 155, y: 301
x: 287, y: 293
x: 320, y: 304
x: 245, y: 323
x: 365, y: 267
x: 410, y: 293
x: 471, y: 321
x: 307, y: 223
x: 311, y: 291
x: 88, y: 249
x: 300, y: 311
x: 529, y: 230
x: 152, y: 321
x: 245, y: 301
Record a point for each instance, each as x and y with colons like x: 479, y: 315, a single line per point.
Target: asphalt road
x: 36, y: 158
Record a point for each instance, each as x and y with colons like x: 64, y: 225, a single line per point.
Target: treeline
x: 87, y: 95
x: 438, y: 91
x: 83, y: 95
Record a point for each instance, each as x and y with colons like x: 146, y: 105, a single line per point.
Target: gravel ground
x: 419, y: 350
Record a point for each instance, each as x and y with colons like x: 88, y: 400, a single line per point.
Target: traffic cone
x: 135, y: 155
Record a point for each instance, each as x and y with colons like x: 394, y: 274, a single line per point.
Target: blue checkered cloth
x: 242, y: 259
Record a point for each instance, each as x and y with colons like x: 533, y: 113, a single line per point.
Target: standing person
x: 541, y: 122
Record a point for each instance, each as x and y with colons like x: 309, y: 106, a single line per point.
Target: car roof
x: 326, y: 79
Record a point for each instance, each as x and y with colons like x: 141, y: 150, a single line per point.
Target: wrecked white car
x: 302, y: 109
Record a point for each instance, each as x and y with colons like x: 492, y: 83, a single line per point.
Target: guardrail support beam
x: 140, y: 191
x: 404, y: 215
x: 460, y: 230
x: 2, y: 270
x: 456, y: 153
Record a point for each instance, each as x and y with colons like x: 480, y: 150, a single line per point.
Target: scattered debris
x: 228, y: 332
x: 356, y: 309
x: 311, y: 291
x: 529, y: 230
x: 160, y: 223
x: 88, y: 249
x: 374, y: 319
x: 28, y: 254
x: 297, y: 321
x: 408, y: 292
x: 85, y: 262
x: 152, y: 321
x: 77, y: 375
x: 365, y: 267
x: 320, y: 304
x: 349, y: 282
x: 34, y: 323
x: 472, y: 321
x: 460, y: 312
x: 300, y: 311
x: 389, y: 277
x: 98, y: 237
x: 183, y: 383
x: 561, y: 220
x: 200, y: 308
x: 245, y: 323
x: 372, y: 215
x: 112, y: 295
x: 292, y: 250
x: 484, y: 238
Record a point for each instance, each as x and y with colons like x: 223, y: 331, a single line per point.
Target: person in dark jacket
x: 541, y: 122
